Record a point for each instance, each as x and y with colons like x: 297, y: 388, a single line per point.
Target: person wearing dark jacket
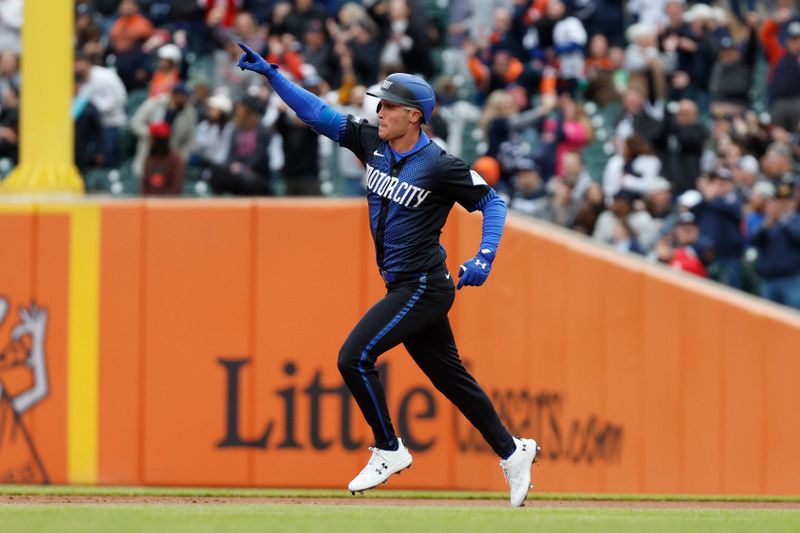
x: 719, y: 217
x: 778, y: 245
x: 163, y: 168
x: 246, y: 171
x: 732, y: 76
x: 680, y: 146
x: 784, y: 90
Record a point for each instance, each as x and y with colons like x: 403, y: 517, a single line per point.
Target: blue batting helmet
x: 407, y: 90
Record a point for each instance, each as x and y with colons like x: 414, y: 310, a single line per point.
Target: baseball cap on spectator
x: 748, y: 163
x: 690, y: 198
x: 637, y: 31
x: 764, y: 188
x: 254, y: 104
x: 726, y: 43
x: 181, y: 88
x: 659, y: 184
x: 698, y: 11
x: 793, y: 29
x: 221, y: 102
x: 721, y: 173
x: 626, y: 195
x: 313, y: 25
x: 522, y: 164
x: 687, y: 217
x: 160, y: 129
x: 171, y: 52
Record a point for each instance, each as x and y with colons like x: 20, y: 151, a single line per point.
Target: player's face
x: 395, y: 120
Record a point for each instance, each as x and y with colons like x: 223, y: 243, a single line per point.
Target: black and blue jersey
x: 410, y: 196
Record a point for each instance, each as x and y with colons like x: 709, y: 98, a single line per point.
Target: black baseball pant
x: 414, y: 312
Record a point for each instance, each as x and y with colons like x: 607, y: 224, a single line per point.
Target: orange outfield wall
x: 218, y: 324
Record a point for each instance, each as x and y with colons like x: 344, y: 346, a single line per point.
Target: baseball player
x: 412, y: 185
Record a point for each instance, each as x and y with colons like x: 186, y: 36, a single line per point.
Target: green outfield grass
x: 345, y: 519
x: 374, y: 517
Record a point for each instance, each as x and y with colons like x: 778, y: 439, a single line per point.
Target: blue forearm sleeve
x: 310, y: 108
x: 494, y: 218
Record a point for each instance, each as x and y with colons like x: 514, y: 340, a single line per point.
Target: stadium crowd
x: 666, y: 128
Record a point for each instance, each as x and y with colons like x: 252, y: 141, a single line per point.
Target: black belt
x: 393, y: 277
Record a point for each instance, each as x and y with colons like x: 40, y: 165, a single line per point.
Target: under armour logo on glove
x: 475, y: 271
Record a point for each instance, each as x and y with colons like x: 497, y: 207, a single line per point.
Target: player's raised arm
x: 310, y: 108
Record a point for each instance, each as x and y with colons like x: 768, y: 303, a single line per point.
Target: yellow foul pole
x: 46, y: 132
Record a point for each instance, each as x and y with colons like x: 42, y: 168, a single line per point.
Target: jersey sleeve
x: 360, y: 137
x: 461, y: 184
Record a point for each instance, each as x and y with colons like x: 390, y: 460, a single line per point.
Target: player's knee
x: 349, y: 356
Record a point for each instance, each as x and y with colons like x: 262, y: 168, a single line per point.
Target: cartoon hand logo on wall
x: 23, y: 384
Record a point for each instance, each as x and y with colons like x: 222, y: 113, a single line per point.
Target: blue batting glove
x: 475, y: 271
x: 253, y: 61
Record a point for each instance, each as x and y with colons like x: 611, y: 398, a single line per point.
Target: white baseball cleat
x: 517, y: 469
x: 382, y: 465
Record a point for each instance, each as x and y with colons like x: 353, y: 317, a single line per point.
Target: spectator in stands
x: 9, y: 124
x: 11, y: 26
x: 163, y: 167
x: 600, y: 72
x: 777, y: 163
x: 784, y: 91
x: 756, y: 209
x: 229, y: 78
x: 695, y: 57
x: 623, y: 208
x: 573, y: 170
x: 658, y: 199
x: 86, y: 27
x: 318, y: 51
x: 719, y: 217
x: 88, y: 130
x: 300, y: 145
x: 177, y: 110
x: 105, y: 90
x: 527, y: 188
x: 591, y: 206
x: 572, y: 128
x: 650, y: 12
x: 770, y: 36
x: 304, y: 13
x: 168, y: 72
x: 681, y: 146
x: 623, y: 239
x: 212, y: 140
x: 9, y: 71
x: 637, y: 116
x: 559, y: 206
x: 569, y: 41
x: 778, y: 244
x: 128, y: 35
x: 683, y: 249
x: 732, y: 75
x: 221, y: 12
x: 605, y: 17
x: 246, y: 172
x: 635, y: 169
x: 644, y: 62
